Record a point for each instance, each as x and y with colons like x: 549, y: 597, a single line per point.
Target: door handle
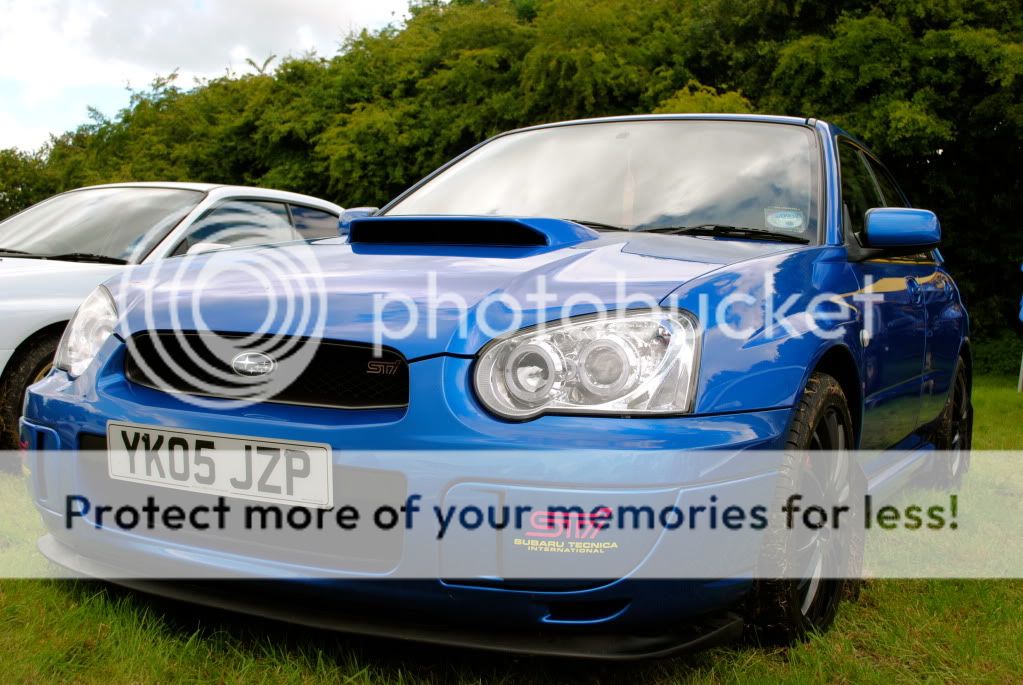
x: 915, y: 291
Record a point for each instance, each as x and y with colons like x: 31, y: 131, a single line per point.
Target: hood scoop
x: 469, y: 231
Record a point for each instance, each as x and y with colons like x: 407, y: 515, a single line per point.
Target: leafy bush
x: 998, y: 355
x: 934, y: 87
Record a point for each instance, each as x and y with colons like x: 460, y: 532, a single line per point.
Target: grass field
x: 899, y: 631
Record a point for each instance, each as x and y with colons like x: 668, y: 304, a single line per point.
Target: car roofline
x: 173, y: 185
x: 756, y: 118
x: 217, y: 190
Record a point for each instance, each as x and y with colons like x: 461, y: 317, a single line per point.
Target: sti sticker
x: 784, y: 219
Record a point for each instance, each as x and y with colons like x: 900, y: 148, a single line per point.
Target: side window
x: 858, y: 190
x: 314, y: 223
x: 238, y: 223
x: 892, y: 196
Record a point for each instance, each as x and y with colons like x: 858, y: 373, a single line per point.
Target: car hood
x: 421, y: 300
x: 42, y: 279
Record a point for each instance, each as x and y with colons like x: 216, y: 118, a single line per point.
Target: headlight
x: 90, y: 327
x: 642, y: 363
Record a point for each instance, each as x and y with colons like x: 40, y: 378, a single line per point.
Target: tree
x: 936, y: 88
x: 23, y: 181
x: 698, y: 98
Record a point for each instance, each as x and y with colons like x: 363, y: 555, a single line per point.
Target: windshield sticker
x: 784, y: 219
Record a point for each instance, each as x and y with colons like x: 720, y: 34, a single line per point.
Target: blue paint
x: 746, y: 388
x: 902, y: 227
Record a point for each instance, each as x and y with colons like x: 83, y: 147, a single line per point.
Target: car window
x: 121, y: 222
x: 890, y: 191
x: 893, y: 197
x: 858, y: 190
x: 639, y: 175
x: 239, y: 223
x: 314, y: 223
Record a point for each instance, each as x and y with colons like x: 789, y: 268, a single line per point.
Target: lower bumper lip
x: 292, y: 603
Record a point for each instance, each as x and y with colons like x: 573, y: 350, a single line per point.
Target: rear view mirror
x: 901, y: 228
x: 344, y: 224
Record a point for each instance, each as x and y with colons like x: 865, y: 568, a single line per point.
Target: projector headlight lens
x: 636, y: 363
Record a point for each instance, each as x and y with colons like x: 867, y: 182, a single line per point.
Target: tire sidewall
x: 21, y: 371
x: 775, y: 607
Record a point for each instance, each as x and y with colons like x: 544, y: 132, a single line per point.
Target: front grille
x: 318, y: 373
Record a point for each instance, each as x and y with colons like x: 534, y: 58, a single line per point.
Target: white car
x: 53, y: 254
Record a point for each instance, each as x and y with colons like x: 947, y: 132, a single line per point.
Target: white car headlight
x: 637, y: 363
x: 89, y: 328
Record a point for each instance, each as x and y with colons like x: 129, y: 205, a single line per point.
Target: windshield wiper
x: 597, y: 225
x: 86, y: 257
x: 6, y: 251
x: 726, y: 230
x: 68, y: 257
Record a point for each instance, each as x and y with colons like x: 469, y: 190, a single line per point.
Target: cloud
x: 55, y: 52
x: 204, y: 35
x: 13, y: 133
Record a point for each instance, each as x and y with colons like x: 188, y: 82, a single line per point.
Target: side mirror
x: 344, y: 224
x: 901, y: 228
x: 200, y: 248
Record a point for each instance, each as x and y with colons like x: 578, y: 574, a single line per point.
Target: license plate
x: 278, y: 471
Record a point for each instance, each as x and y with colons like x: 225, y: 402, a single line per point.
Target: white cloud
x: 197, y: 36
x: 13, y: 133
x: 50, y: 48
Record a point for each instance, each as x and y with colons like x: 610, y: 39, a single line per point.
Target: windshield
x: 639, y: 175
x: 119, y: 223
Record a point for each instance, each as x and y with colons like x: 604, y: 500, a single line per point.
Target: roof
x: 201, y: 187
x: 222, y: 190
x: 763, y: 118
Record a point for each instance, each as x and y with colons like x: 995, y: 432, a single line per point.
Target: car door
x: 943, y: 315
x: 894, y: 330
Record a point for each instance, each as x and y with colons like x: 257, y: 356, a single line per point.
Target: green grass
x: 999, y: 414
x: 899, y: 631
x: 20, y: 527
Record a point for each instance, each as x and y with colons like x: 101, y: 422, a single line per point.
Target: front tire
x: 954, y: 438
x: 28, y: 366
x: 785, y: 610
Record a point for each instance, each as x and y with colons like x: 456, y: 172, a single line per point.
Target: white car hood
x: 35, y: 279
x: 37, y: 293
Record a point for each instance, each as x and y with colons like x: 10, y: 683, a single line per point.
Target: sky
x: 59, y: 57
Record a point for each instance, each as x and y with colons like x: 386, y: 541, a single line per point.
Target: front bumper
x: 395, y: 612
x: 616, y: 618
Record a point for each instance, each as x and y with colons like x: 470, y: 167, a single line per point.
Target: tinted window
x: 124, y: 223
x: 858, y: 191
x: 314, y: 223
x: 892, y: 196
x: 238, y: 223
x: 637, y: 175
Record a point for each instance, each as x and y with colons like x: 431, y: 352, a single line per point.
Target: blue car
x: 548, y: 307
